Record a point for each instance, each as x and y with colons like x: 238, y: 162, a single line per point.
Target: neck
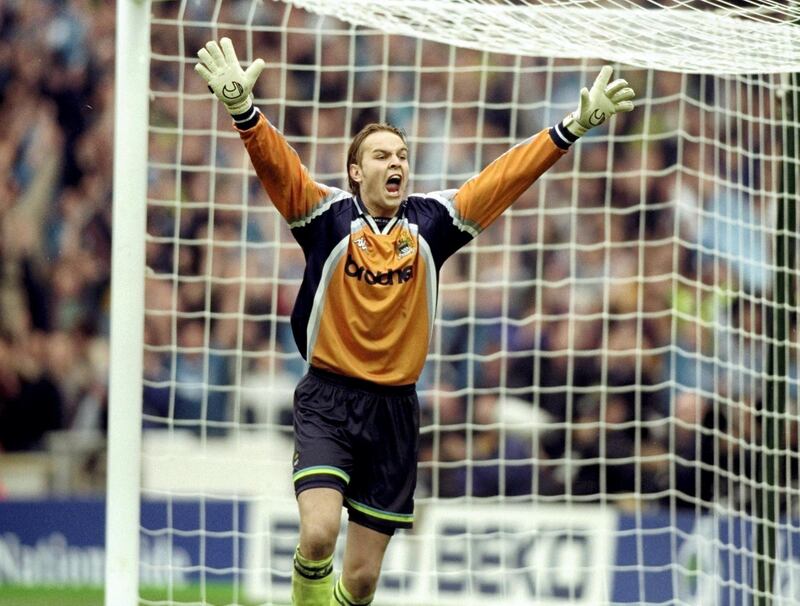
x: 378, y: 212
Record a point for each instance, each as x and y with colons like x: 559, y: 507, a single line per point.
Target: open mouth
x: 393, y: 184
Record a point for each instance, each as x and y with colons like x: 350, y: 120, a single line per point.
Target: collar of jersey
x: 364, y: 215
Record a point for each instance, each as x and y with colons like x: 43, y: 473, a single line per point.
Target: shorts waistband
x: 362, y: 384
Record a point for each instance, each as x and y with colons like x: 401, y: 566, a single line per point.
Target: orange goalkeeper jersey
x: 367, y: 302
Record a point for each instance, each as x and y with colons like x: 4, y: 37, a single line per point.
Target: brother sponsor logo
x: 381, y: 278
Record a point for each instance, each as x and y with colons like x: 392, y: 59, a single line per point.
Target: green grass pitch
x: 212, y: 595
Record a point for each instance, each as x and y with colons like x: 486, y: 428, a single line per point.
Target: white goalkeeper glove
x: 232, y: 85
x: 600, y: 103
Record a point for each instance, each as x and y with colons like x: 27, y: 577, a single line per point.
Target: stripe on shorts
x: 380, y: 515
x: 321, y: 470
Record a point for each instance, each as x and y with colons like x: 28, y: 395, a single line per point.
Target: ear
x: 355, y: 173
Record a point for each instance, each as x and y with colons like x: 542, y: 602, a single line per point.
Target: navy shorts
x: 361, y: 439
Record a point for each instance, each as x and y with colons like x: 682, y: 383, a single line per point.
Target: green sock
x: 342, y: 597
x: 312, y: 580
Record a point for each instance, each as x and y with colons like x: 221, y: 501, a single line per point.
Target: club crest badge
x: 404, y: 246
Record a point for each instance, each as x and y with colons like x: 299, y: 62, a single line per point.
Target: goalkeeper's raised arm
x: 487, y: 195
x: 364, y: 314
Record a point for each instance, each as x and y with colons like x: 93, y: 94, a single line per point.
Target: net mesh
x: 709, y: 37
x: 609, y: 406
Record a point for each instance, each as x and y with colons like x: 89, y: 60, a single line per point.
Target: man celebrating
x: 365, y: 311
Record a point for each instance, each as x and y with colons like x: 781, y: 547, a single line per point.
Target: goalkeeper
x: 365, y: 310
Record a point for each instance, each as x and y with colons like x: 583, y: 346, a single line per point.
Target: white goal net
x: 610, y: 402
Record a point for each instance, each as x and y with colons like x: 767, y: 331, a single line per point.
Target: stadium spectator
x: 202, y: 378
x: 31, y: 403
x: 701, y: 432
x: 490, y: 457
x: 601, y: 446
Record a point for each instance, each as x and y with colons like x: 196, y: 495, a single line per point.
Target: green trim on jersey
x: 321, y: 470
x: 381, y: 515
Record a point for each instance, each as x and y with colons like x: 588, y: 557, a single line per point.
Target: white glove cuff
x: 571, y: 124
x: 242, y: 107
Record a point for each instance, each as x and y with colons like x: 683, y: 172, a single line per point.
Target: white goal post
x: 609, y: 410
x: 123, y: 487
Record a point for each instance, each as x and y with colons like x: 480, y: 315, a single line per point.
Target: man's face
x: 382, y: 173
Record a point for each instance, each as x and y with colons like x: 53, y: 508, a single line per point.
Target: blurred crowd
x: 607, y: 336
x: 56, y: 91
